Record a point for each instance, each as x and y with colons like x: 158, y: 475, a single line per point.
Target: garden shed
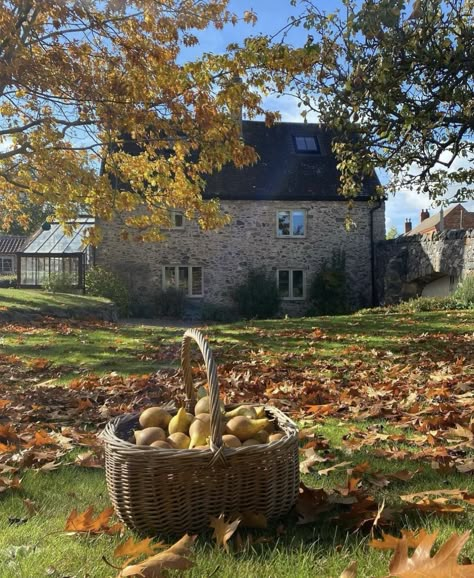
x: 53, y: 251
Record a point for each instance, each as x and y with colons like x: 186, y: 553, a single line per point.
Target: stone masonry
x: 407, y: 264
x: 250, y: 241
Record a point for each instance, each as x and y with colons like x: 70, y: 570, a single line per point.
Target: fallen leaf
x: 350, y: 571
x: 223, y: 530
x: 333, y: 468
x: 174, y: 558
x: 421, y: 565
x: 86, y: 523
x: 389, y: 542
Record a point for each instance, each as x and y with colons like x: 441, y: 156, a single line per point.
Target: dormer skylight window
x: 306, y: 144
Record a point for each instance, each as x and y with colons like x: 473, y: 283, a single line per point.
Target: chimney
x: 407, y: 226
x: 425, y: 214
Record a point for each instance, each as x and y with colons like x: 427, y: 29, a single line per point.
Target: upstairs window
x: 290, y: 283
x: 177, y: 220
x: 188, y: 279
x: 291, y: 223
x: 306, y: 144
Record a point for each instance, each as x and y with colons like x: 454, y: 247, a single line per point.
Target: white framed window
x: 187, y: 278
x: 6, y: 264
x: 291, y: 283
x: 177, y: 220
x: 291, y: 223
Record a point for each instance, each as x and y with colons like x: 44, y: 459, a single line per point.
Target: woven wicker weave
x: 161, y: 491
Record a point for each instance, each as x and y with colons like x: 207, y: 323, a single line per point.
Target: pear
x: 276, y: 436
x: 261, y: 436
x: 201, y: 448
x: 260, y: 412
x: 245, y: 428
x: 200, y: 430
x: 231, y: 441
x: 155, y: 417
x: 245, y: 410
x: 179, y: 440
x: 204, y: 405
x: 251, y: 442
x: 161, y: 445
x: 180, y: 422
x: 145, y: 437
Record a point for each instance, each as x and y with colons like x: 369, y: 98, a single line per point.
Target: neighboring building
x: 10, y: 245
x: 287, y: 218
x: 455, y: 217
x: 51, y: 251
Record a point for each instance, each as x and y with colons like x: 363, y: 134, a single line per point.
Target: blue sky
x: 272, y: 16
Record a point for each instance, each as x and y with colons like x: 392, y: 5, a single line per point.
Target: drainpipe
x: 372, y: 252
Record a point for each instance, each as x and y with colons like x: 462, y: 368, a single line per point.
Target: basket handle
x: 211, y: 370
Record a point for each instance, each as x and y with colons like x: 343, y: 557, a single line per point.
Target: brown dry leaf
x: 9, y: 483
x: 421, y: 565
x: 253, y: 520
x: 389, y: 542
x: 174, y: 558
x: 86, y: 523
x: 223, y: 530
x: 31, y: 507
x: 452, y: 494
x: 311, y: 503
x: 438, y: 505
x: 350, y: 571
x: 89, y: 460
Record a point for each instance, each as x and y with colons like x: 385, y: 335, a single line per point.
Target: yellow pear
x: 180, y: 422
x: 200, y: 430
x: 276, y: 436
x: 245, y: 410
x: 245, y: 428
x: 155, y: 417
x: 161, y: 444
x: 231, y: 441
x: 204, y: 405
x: 145, y: 437
x: 179, y: 440
x: 260, y: 412
x: 251, y: 442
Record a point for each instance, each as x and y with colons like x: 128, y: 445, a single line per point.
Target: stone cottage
x: 10, y: 245
x: 287, y: 219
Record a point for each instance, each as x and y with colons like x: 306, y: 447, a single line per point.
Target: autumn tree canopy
x: 76, y: 76
x: 399, y: 75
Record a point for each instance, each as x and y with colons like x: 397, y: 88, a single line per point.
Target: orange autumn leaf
x: 9, y: 484
x: 223, y: 530
x: 85, y: 522
x: 4, y: 403
x: 132, y: 549
x: 389, y: 542
x: 41, y: 438
x: 175, y: 557
x: 421, y: 565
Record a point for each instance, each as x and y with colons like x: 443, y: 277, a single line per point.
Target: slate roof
x: 283, y: 173
x: 11, y: 244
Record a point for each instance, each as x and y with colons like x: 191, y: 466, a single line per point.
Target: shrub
x: 465, y: 290
x: 7, y: 281
x: 218, y: 313
x: 170, y: 302
x: 60, y: 283
x: 103, y: 283
x: 328, y: 289
x: 257, y: 297
x: 419, y: 305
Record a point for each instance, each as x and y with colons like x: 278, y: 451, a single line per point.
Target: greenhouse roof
x: 55, y: 241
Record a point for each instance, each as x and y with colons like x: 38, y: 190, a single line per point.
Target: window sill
x: 290, y: 236
x: 293, y: 298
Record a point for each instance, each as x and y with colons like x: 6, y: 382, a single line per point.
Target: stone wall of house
x: 406, y: 265
x: 250, y: 241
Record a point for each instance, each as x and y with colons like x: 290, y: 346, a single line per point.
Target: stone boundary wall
x: 405, y: 264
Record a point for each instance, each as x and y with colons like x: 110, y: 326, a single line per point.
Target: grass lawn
x: 380, y: 390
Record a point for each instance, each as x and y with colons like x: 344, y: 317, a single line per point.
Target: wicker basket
x: 160, y: 491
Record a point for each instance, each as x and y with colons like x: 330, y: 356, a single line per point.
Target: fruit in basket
x: 276, y: 436
x: 245, y: 428
x: 155, y: 417
x: 231, y: 441
x: 179, y: 441
x: 262, y: 436
x: 245, y: 410
x: 204, y: 405
x: 161, y: 444
x: 180, y: 422
x: 260, y: 412
x: 200, y: 430
x: 251, y: 442
x: 145, y: 437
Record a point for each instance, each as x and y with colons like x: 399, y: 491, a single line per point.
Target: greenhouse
x: 53, y: 252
